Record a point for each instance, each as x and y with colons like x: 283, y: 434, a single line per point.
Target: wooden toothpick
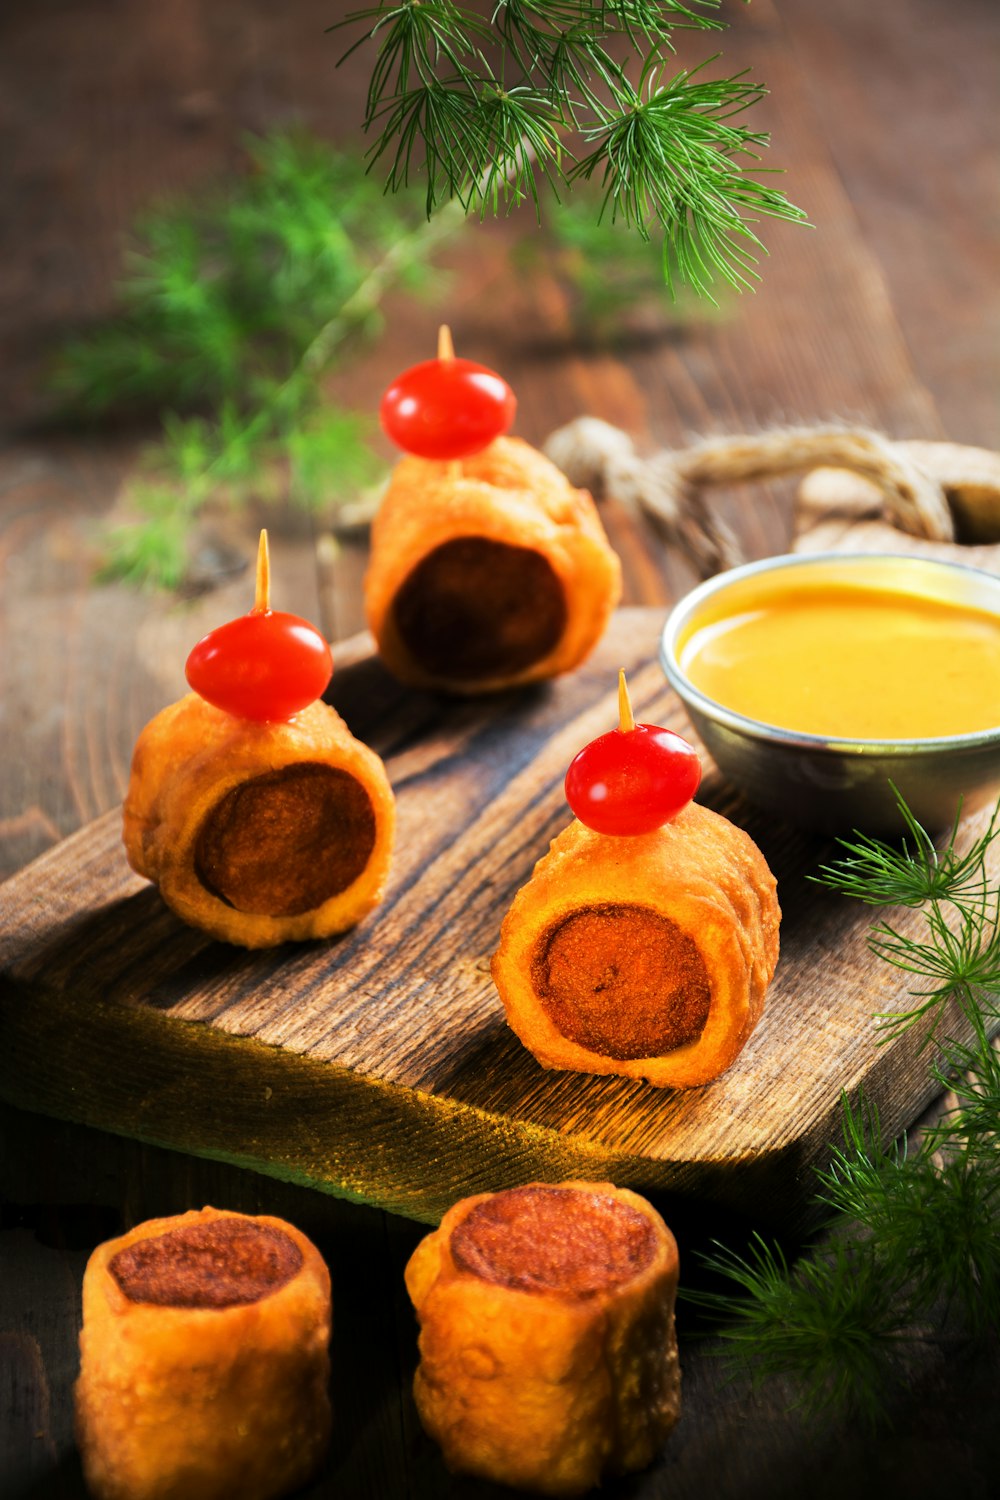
x: 262, y: 595
x: 446, y: 353
x: 626, y: 722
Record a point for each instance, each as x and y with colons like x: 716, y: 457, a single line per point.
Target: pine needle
x: 489, y: 126
x: 831, y: 1323
x: 915, y: 1238
x: 234, y: 306
x: 913, y: 872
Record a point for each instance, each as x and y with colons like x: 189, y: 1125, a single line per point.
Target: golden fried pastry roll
x: 487, y: 572
x: 647, y: 956
x: 548, y: 1358
x: 259, y: 832
x: 204, y: 1360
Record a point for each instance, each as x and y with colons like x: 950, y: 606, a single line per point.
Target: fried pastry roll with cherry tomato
x: 259, y: 832
x: 488, y: 571
x: 548, y: 1359
x: 648, y: 956
x: 204, y: 1360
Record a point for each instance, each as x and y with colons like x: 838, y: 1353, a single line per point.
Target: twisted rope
x: 670, y: 486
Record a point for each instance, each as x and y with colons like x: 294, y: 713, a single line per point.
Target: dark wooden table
x: 887, y: 312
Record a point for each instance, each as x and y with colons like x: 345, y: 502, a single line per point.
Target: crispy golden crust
x: 259, y: 833
x: 638, y: 928
x: 548, y: 1358
x: 187, y: 1394
x: 487, y: 573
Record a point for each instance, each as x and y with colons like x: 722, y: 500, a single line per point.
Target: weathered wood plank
x: 908, y: 99
x: 380, y: 1065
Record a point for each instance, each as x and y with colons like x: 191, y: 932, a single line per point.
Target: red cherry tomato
x: 447, y: 408
x: 632, y: 781
x: 265, y: 666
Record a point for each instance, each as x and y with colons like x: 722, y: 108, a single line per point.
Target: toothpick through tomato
x: 265, y: 665
x: 447, y: 408
x: 633, y: 779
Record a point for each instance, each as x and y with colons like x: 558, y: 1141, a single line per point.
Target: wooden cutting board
x: 379, y: 1066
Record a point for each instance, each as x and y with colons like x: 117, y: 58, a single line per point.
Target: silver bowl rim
x: 793, y: 739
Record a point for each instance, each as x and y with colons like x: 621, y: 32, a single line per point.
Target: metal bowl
x: 835, y: 785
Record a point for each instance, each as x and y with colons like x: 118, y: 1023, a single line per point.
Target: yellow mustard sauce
x: 851, y: 662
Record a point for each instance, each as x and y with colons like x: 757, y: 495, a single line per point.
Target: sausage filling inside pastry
x: 548, y: 1357
x: 477, y: 608
x: 543, y: 1239
x: 204, y: 1360
x: 224, y: 1263
x: 259, y: 833
x: 487, y: 572
x: 648, y: 956
x: 285, y: 842
x: 622, y: 980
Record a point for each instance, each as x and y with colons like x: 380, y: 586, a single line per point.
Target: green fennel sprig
x: 831, y: 1323
x: 913, y: 872
x: 488, y: 114
x: 912, y: 1247
x: 959, y: 953
x: 931, y: 1215
x: 234, y: 306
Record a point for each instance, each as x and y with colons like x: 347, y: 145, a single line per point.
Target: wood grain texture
x: 925, y: 224
x: 885, y: 311
x: 380, y: 1066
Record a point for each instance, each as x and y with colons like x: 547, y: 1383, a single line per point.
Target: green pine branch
x: 488, y: 115
x: 831, y: 1323
x: 234, y: 307
x: 236, y: 304
x: 913, y: 1241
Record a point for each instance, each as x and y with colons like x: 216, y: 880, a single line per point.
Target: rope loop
x: 670, y: 485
